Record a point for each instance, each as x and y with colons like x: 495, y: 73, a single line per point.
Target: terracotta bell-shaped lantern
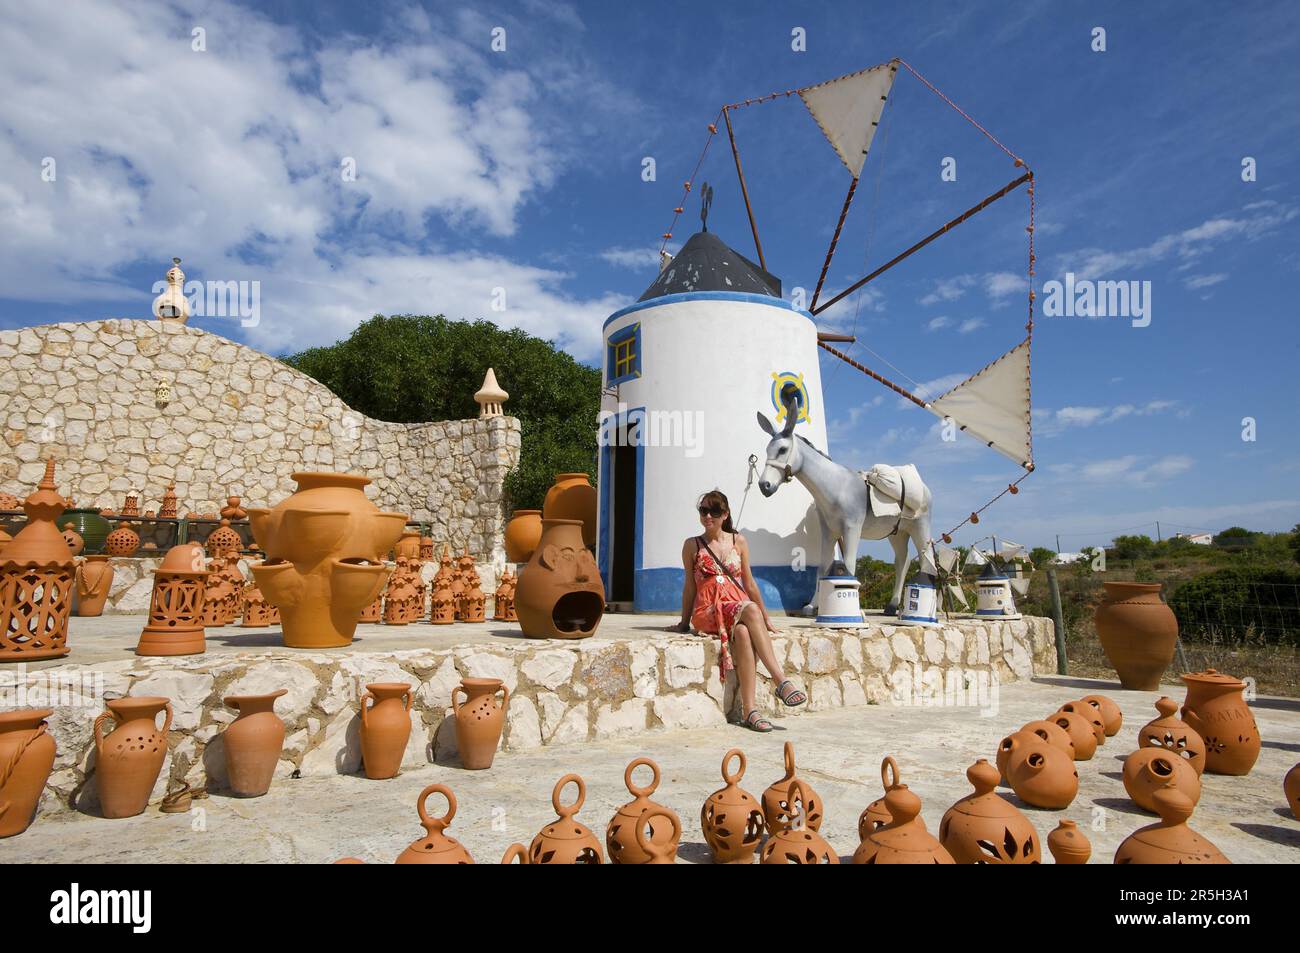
x: 490, y: 396
x: 37, y: 579
x: 175, y: 625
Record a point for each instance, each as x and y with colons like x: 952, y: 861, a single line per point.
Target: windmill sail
x: 993, y: 405
x: 848, y: 111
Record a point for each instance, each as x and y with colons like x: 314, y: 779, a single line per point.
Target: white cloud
x: 1052, y: 423
x: 639, y: 259
x: 949, y: 289
x: 1126, y: 469
x: 969, y: 325
x: 1003, y: 284
x: 1205, y: 281
x: 938, y: 324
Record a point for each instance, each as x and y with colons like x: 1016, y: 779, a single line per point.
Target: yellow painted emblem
x: 790, y: 379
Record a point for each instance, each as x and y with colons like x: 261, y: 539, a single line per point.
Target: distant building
x: 1199, y: 539
x: 1064, y: 559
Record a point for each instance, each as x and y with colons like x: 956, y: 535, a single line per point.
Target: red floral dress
x: 718, y: 600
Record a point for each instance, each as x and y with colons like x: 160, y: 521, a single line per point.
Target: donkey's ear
x: 790, y: 400
x: 766, y: 425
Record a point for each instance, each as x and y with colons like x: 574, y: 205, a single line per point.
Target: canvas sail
x: 848, y: 111
x: 993, y: 405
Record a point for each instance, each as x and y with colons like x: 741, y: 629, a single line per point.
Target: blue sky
x: 522, y: 169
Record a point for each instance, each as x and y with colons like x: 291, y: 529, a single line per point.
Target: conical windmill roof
x: 707, y: 263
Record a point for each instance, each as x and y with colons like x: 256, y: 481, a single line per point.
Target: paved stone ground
x: 320, y: 820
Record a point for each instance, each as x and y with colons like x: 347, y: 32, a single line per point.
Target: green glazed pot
x: 92, y: 527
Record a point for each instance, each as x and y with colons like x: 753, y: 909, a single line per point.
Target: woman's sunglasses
x: 715, y: 511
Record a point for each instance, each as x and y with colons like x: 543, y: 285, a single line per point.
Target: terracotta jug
x: 732, y: 818
x: 37, y: 579
x: 523, y: 533
x: 324, y: 557
x: 1148, y: 770
x: 982, y: 828
x: 798, y: 843
x: 1173, y: 735
x: 573, y: 498
x: 1091, y: 715
x: 94, y: 580
x: 564, y: 840
x: 436, y: 846
x: 876, y: 815
x: 27, y: 753
x: 1068, y: 845
x: 560, y: 593
x: 1137, y: 632
x: 1041, y: 774
x: 1291, y: 788
x: 776, y: 799
x: 625, y: 839
x: 130, y: 757
x: 1171, y: 841
x: 1111, y: 716
x: 479, y: 719
x: 73, y: 540
x: 253, y: 743
x: 1080, y: 731
x: 122, y: 542
x: 385, y: 728
x: 904, y: 840
x: 1217, y: 711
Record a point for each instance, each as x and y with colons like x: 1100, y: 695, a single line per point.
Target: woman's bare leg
x: 762, y: 642
x: 742, y: 655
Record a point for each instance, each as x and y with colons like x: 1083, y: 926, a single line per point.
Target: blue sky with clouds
x: 522, y: 170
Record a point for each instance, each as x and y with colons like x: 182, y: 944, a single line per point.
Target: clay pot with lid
x: 1216, y: 709
x: 479, y: 719
x: 37, y: 580
x: 123, y: 541
x: 1111, y: 716
x: 253, y: 743
x: 732, y: 818
x: 1148, y: 770
x: 523, y: 533
x: 573, y: 498
x: 385, y: 728
x: 904, y: 840
x: 94, y: 580
x: 982, y: 828
x: 1174, y: 735
x: 1079, y: 728
x: 799, y: 842
x: 1041, y: 774
x: 776, y: 799
x: 1068, y: 844
x: 1089, y: 714
x: 564, y: 840
x: 1137, y: 631
x: 130, y: 757
x: 625, y: 841
x: 1171, y: 841
x: 1291, y: 788
x: 876, y: 815
x: 27, y: 751
x: 436, y: 846
x: 560, y: 593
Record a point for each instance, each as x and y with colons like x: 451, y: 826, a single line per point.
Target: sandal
x: 791, y: 699
x: 754, y: 721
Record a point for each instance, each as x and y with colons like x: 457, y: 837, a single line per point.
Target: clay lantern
x: 564, y: 840
x: 490, y: 396
x: 131, y: 506
x: 625, y: 837
x: 876, y: 815
x: 443, y: 611
x: 1148, y: 770
x: 37, y: 579
x: 798, y: 843
x: 1174, y: 735
x: 426, y: 549
x: 257, y: 612
x: 1171, y: 841
x: 122, y: 542
x: 732, y: 818
x: 175, y: 609
x: 982, y: 828
x: 436, y: 847
x: 904, y: 840
x: 560, y: 594
x: 224, y: 541
x: 776, y: 799
x: 1216, y: 709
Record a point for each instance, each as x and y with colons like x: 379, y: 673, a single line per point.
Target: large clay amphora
x: 129, y: 758
x: 560, y: 593
x: 94, y: 579
x: 1217, y: 711
x: 26, y: 759
x: 1137, y: 632
x: 479, y: 719
x: 385, y: 728
x: 253, y: 743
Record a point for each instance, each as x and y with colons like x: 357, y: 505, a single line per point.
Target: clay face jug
x: 904, y: 840
x: 625, y: 837
x: 1217, y: 711
x: 130, y: 757
x: 1137, y: 632
x: 1173, y: 735
x: 75, y: 543
x: 1171, y: 841
x: 94, y: 580
x: 776, y: 799
x: 479, y: 719
x: 1148, y: 770
x: 26, y: 758
x: 982, y: 828
x: 1040, y: 774
x: 253, y: 743
x: 564, y: 840
x: 436, y: 847
x: 798, y: 843
x: 324, y: 557
x: 1080, y: 731
x: 560, y: 593
x: 876, y: 814
x: 385, y: 728
x: 573, y: 498
x: 731, y: 818
x: 1112, y: 718
x: 523, y: 533
x: 1068, y: 845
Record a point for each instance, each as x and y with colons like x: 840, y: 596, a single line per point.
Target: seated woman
x: 721, y: 599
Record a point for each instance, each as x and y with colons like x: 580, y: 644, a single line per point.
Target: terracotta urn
x: 176, y: 605
x: 408, y: 545
x: 436, y: 846
x: 1291, y: 788
x: 1111, y: 716
x: 1068, y: 844
x: 479, y: 719
x: 1041, y: 774
x: 27, y: 752
x: 324, y: 557
x: 1217, y: 711
x: 1089, y: 714
x: 167, y: 510
x: 130, y: 757
x: 625, y: 837
x: 1171, y: 841
x: 253, y: 743
x: 573, y: 498
x: 732, y: 818
x: 876, y: 815
x: 37, y: 580
x: 1079, y: 728
x: 564, y: 840
x: 523, y: 533
x: 94, y: 580
x: 798, y: 842
x: 904, y: 840
x: 982, y: 828
x: 1148, y: 770
x: 1137, y: 631
x: 560, y: 593
x: 1173, y: 735
x: 776, y: 799
x: 385, y: 728
x: 123, y: 541
x: 73, y: 540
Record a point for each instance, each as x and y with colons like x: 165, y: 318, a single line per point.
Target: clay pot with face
x: 1174, y: 735
x: 1149, y: 770
x: 982, y: 828
x: 560, y: 593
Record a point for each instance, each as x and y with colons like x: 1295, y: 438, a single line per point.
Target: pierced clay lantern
x: 625, y: 838
x: 1041, y: 774
x: 37, y: 573
x: 168, y: 509
x: 175, y: 609
x: 216, y: 593
x: 1174, y: 735
x: 798, y: 843
x: 122, y: 542
x: 258, y: 613
x: 1068, y: 845
x: 443, y: 611
x: 732, y: 818
x: 876, y: 814
x: 564, y: 840
x: 560, y: 593
x: 982, y: 828
x: 436, y: 847
x: 131, y: 506
x: 371, y: 613
x: 904, y: 840
x: 776, y: 799
x: 224, y: 541
x: 1171, y: 841
x: 1147, y: 770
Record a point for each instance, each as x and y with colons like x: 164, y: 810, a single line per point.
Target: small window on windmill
x: 624, y: 355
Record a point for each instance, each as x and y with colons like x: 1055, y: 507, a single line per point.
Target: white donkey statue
x: 845, y: 501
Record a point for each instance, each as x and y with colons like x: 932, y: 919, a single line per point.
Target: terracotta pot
x: 436, y: 846
x: 37, y: 579
x: 130, y: 757
x: 1291, y: 788
x: 253, y: 743
x: 1080, y: 731
x: 1217, y: 711
x: 732, y: 818
x: 73, y: 540
x: 123, y: 541
x: 131, y: 505
x: 1173, y: 735
x: 27, y: 753
x: 877, y: 814
x: 1068, y: 845
x: 625, y: 837
x: 523, y: 533
x: 573, y: 498
x: 90, y: 525
x: 904, y: 840
x: 94, y: 580
x: 776, y: 799
x: 1148, y: 770
x: 1048, y: 731
x: 426, y: 549
x: 385, y: 728
x: 1089, y: 714
x: 1111, y: 716
x: 1041, y: 774
x: 982, y: 828
x: 798, y: 843
x: 560, y: 593
x: 564, y: 840
x: 479, y: 720
x: 1171, y: 841
x: 1137, y: 632
x: 408, y: 545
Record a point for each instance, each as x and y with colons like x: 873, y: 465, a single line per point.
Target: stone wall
x: 233, y: 421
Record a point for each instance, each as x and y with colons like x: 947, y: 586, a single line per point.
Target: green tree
x: 1133, y: 547
x: 1294, y: 542
x: 1234, y: 537
x: 412, y: 368
x: 1041, y: 557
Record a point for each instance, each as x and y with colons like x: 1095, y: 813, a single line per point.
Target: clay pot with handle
x: 982, y: 828
x: 904, y: 840
x: 479, y: 719
x: 1148, y: 770
x: 436, y: 846
x: 27, y: 753
x: 564, y: 840
x: 94, y: 580
x: 876, y: 815
x: 732, y: 818
x: 253, y: 743
x: 1216, y: 709
x: 625, y: 839
x: 798, y: 842
x: 1174, y: 735
x: 658, y: 848
x: 515, y: 852
x: 130, y: 757
x: 776, y: 799
x: 1137, y: 631
x: 385, y: 728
